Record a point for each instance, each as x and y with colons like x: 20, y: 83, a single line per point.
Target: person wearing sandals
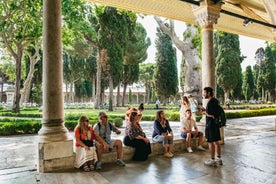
x: 163, y: 133
x: 104, y: 129
x: 135, y: 137
x: 86, y: 156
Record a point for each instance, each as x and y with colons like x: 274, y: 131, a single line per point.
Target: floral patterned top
x: 133, y: 130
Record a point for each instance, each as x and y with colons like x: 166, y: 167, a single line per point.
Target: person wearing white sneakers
x: 189, y: 130
x: 212, y: 132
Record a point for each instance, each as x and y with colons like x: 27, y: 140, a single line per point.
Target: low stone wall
x: 179, y: 145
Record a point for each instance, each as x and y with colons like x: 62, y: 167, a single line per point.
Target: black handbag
x: 88, y: 143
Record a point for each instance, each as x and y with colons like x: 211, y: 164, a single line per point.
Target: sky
x: 248, y: 45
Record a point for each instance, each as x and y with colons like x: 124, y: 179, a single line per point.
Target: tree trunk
x: 118, y: 95
x: 124, y: 94
x: 27, y: 84
x: 192, y: 66
x: 16, y: 100
x: 66, y: 92
x: 226, y: 96
x: 110, y: 107
x: 18, y: 59
x: 71, y: 93
x: 148, y: 93
x: 93, y: 81
x: 98, y: 86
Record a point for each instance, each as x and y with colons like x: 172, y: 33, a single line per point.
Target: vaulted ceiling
x: 252, y: 18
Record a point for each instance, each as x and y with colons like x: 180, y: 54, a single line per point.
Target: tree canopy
x: 228, y: 61
x: 165, y: 75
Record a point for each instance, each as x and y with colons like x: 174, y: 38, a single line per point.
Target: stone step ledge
x: 179, y: 145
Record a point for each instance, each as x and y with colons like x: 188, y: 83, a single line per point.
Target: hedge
x: 13, y: 126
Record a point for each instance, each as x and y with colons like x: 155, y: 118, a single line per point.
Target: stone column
x: 55, y: 144
x: 206, y: 16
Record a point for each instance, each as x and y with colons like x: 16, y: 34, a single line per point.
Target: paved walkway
x: 248, y: 155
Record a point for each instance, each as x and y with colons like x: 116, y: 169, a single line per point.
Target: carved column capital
x: 207, y: 14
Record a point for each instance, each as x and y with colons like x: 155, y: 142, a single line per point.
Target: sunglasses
x: 86, y: 120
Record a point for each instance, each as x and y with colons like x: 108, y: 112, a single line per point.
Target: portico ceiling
x: 261, y: 14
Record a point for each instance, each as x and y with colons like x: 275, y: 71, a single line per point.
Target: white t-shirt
x: 189, y: 124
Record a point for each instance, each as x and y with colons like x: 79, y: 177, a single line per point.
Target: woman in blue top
x: 163, y: 133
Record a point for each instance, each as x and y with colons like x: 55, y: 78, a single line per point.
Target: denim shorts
x: 184, y: 135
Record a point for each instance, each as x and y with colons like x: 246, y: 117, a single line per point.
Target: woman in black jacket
x: 163, y: 133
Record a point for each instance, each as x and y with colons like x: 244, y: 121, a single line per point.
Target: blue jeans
x: 161, y: 138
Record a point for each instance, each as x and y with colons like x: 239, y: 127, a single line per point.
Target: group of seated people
x: 91, y: 142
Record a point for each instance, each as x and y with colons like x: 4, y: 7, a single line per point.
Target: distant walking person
x: 212, y: 132
x: 157, y: 104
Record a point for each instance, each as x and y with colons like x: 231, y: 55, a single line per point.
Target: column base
x: 54, y: 156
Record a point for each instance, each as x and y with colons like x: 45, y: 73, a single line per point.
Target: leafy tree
x: 34, y: 56
x: 248, y: 83
x: 20, y: 25
x: 146, y: 76
x: 130, y: 75
x: 116, y: 26
x: 130, y: 96
x: 256, y: 69
x: 269, y: 72
x: 228, y: 62
x: 136, y: 52
x: 236, y: 93
x: 83, y: 90
x: 165, y: 75
x: 260, y: 58
x: 190, y: 74
x: 80, y: 42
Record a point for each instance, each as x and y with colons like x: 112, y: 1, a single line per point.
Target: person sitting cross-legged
x: 189, y: 130
x: 103, y: 129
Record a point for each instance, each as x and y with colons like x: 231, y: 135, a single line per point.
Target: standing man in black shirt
x: 212, y: 131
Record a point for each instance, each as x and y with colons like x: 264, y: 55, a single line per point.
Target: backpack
x: 221, y: 118
x: 110, y: 126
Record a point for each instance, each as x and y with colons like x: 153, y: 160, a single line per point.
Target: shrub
x: 148, y: 118
x: 118, y: 122
x: 173, y: 117
x: 70, y: 124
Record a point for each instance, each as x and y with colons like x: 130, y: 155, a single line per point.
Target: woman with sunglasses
x: 86, y: 156
x: 135, y: 137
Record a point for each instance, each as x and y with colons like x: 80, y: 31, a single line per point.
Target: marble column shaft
x: 53, y: 114
x: 55, y: 146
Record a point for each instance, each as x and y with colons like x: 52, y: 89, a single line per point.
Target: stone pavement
x: 248, y: 155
